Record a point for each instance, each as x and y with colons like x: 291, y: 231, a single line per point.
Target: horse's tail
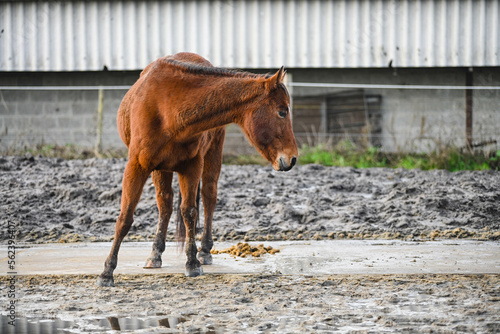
x: 180, y: 233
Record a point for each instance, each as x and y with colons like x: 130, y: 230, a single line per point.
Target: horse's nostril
x: 284, y: 166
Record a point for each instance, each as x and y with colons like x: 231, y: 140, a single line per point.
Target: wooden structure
x: 352, y: 115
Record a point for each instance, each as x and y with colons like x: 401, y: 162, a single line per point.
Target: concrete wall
x: 60, y: 117
x: 413, y: 120
x: 420, y: 120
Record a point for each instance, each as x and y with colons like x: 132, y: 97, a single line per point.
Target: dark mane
x: 193, y: 68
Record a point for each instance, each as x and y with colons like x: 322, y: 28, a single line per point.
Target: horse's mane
x: 199, y: 69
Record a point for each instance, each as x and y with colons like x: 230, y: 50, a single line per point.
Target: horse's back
x: 188, y: 57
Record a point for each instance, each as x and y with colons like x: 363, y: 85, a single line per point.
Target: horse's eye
x: 282, y: 113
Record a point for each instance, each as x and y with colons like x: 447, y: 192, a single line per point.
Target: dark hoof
x: 205, y: 258
x: 193, y: 271
x: 105, y: 281
x: 152, y: 264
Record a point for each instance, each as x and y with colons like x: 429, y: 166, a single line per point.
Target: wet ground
x: 55, y: 200
x: 229, y: 303
x: 314, y: 258
x: 355, y: 234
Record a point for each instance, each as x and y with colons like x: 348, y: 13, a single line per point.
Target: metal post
x: 468, y: 108
x: 98, y: 145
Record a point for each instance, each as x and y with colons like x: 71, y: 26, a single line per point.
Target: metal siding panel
x: 454, y: 35
x: 466, y: 31
x: 92, y: 22
x: 377, y: 23
x: 5, y: 39
x: 481, y: 32
x: 290, y: 35
x: 227, y: 37
x: 243, y: 20
x: 439, y: 38
x: 327, y: 28
x: 127, y: 35
x: 166, y: 26
x: 116, y: 37
x: 402, y: 35
x: 389, y: 43
x: 315, y: 35
x: 492, y: 35
x: 367, y: 34
x: 341, y: 28
x: 252, y: 34
x: 106, y: 41
x: 278, y: 32
x: 143, y: 38
x: 153, y: 49
x: 16, y: 58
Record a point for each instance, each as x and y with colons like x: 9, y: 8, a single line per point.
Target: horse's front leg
x: 210, y: 177
x: 164, y: 199
x: 188, y: 184
x: 134, y: 179
x: 209, y: 196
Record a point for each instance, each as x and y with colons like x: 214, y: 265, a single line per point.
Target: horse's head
x: 268, y: 125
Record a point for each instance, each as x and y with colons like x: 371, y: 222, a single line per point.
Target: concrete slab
x: 305, y: 258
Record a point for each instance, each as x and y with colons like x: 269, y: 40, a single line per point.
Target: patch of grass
x: 347, y: 154
x: 343, y: 155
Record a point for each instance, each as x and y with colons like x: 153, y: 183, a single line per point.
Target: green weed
x: 344, y: 154
x: 349, y: 155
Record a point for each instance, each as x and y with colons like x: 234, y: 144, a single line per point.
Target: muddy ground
x: 271, y: 303
x: 53, y: 200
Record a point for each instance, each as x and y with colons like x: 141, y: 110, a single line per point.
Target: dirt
x: 275, y: 303
x: 55, y: 200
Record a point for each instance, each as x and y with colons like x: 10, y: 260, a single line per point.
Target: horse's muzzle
x: 284, y: 166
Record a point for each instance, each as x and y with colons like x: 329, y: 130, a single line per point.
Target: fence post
x: 468, y: 108
x: 98, y: 145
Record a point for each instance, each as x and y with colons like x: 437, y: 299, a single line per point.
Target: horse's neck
x: 221, y: 104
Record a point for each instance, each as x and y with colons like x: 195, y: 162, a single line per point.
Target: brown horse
x: 173, y: 120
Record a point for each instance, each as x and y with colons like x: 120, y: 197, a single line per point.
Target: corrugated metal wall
x: 127, y: 35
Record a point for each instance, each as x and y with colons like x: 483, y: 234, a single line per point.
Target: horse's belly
x: 175, y: 157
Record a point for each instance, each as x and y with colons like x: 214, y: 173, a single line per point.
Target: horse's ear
x: 281, y: 74
x: 277, y: 78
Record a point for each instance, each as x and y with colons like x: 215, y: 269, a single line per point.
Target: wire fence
x: 291, y: 84
x: 406, y: 118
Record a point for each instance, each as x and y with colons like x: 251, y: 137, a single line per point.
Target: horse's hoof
x: 152, y: 264
x: 105, y: 281
x: 205, y: 258
x: 193, y: 271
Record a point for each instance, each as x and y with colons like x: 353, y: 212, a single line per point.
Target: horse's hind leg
x: 134, y: 179
x: 210, y: 177
x: 164, y: 198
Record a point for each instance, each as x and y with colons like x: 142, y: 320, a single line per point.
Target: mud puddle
x: 161, y: 324
x: 263, y: 303
x: 325, y: 257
